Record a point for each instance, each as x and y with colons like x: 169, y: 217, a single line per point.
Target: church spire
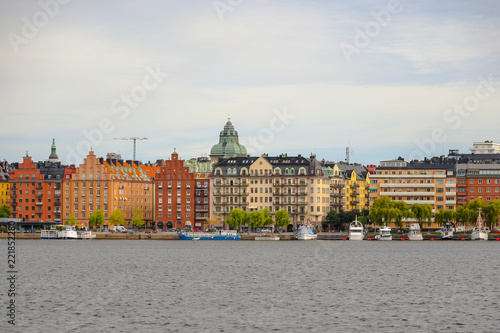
x: 53, y: 155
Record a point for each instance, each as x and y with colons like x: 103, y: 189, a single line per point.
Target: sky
x: 385, y: 78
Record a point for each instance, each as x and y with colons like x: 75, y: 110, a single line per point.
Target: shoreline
x: 283, y: 236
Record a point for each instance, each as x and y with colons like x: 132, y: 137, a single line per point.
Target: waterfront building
x: 4, y: 184
x: 201, y: 167
x: 477, y: 181
x: 356, y: 180
x: 297, y: 184
x: 107, y: 185
x: 229, y: 144
x: 337, y: 187
x: 36, y: 189
x: 432, y: 181
x: 175, y: 189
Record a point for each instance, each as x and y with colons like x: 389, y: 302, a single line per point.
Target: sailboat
x: 479, y: 232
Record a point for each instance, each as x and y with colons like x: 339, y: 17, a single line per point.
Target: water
x: 247, y: 286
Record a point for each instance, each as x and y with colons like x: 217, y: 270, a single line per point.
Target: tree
x: 421, y: 213
x: 5, y: 211
x: 96, y: 218
x: 71, y: 220
x: 444, y: 215
x: 137, y: 218
x: 116, y: 218
x: 384, y: 211
x: 491, y: 212
x: 260, y: 218
x: 237, y: 218
x: 465, y: 215
x: 281, y: 218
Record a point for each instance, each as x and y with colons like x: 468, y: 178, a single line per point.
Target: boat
x: 447, y: 231
x: 414, y: 233
x: 48, y: 234
x: 217, y: 235
x: 384, y: 233
x: 356, y: 230
x: 305, y: 232
x: 69, y: 232
x: 84, y: 233
x: 479, y: 232
x: 267, y: 237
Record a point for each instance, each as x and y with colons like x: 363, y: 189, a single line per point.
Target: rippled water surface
x: 248, y: 286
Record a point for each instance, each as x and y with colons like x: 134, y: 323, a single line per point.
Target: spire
x: 53, y: 155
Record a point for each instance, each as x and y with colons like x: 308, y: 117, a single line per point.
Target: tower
x: 229, y: 144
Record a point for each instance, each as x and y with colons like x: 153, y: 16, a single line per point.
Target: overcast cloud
x: 278, y: 68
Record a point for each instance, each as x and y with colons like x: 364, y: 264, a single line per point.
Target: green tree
x: 282, y: 219
x: 421, y: 213
x: 5, y: 211
x: 71, y: 220
x: 96, y: 218
x: 116, y: 218
x: 237, y: 218
x: 465, y: 215
x: 384, y: 211
x: 444, y: 215
x: 260, y: 218
x: 137, y: 219
x: 491, y: 212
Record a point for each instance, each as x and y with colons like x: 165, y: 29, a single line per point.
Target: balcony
x: 57, y: 186
x: 39, y: 203
x: 354, y: 202
x: 13, y: 203
x: 355, y: 186
x: 302, y: 183
x: 39, y: 187
x: 336, y: 204
x: 354, y: 194
x: 57, y: 203
x: 201, y: 209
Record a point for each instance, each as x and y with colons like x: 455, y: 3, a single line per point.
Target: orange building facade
x: 106, y: 185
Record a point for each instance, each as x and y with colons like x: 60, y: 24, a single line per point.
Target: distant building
x: 229, y: 144
x: 53, y: 155
x: 296, y: 184
x: 175, y: 195
x: 4, y: 184
x: 36, y: 190
x: 486, y: 147
x: 356, y: 180
x: 107, y: 185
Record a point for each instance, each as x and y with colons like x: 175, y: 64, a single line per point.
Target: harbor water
x: 248, y: 286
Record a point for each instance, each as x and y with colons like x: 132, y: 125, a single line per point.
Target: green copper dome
x: 229, y: 145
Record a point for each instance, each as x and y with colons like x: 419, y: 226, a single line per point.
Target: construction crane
x: 132, y: 138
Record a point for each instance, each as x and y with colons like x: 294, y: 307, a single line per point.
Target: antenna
x: 348, y: 152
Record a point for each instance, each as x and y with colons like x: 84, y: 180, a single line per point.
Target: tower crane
x: 131, y: 138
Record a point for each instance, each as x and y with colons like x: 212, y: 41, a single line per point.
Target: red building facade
x: 36, y: 190
x: 174, y: 195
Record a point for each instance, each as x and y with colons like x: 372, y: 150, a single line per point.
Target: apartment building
x: 4, y: 184
x: 99, y: 184
x: 297, y: 184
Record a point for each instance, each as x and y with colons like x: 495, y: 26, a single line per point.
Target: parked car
x: 118, y: 228
x: 265, y: 230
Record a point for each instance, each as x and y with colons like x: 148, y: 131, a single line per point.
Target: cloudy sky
x: 389, y: 78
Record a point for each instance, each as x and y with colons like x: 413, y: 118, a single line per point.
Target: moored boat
x: 414, y: 234
x: 217, y: 235
x: 356, y: 230
x: 479, y: 232
x: 69, y: 232
x: 447, y: 231
x: 48, y: 234
x: 268, y: 237
x: 384, y: 233
x: 83, y: 233
x: 305, y: 232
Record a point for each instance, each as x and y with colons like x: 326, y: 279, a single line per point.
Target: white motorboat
x: 356, y: 230
x: 305, y: 232
x: 447, y: 231
x: 69, y: 232
x: 384, y: 233
x: 479, y: 232
x: 414, y: 233
x: 83, y: 233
